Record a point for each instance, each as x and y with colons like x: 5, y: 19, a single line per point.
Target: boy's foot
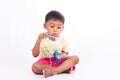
x: 48, y: 72
x: 51, y: 71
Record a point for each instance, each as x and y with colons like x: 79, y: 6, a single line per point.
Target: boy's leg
x: 68, y: 63
x: 38, y: 67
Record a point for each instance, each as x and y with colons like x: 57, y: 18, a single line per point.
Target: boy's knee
x: 76, y: 58
x: 35, y: 68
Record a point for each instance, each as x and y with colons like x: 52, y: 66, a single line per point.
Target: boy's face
x: 54, y: 27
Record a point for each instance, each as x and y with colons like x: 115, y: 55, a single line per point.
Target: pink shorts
x: 54, y: 63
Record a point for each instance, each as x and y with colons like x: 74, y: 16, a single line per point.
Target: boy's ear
x: 62, y: 28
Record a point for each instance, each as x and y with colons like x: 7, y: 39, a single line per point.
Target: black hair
x: 54, y: 15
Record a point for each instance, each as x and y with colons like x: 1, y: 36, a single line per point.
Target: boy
x: 47, y: 43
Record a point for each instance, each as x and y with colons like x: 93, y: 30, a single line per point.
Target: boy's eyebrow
x: 57, y: 24
x: 51, y: 23
x: 60, y: 24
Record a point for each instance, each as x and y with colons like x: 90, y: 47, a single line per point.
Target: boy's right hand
x: 42, y: 36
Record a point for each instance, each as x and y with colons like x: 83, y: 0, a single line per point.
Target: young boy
x: 46, y: 45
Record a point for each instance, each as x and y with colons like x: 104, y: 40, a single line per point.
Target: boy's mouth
x: 53, y: 36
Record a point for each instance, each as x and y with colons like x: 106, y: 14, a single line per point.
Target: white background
x: 92, y: 29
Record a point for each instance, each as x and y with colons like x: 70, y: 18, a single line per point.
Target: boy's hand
x: 64, y: 52
x: 42, y: 36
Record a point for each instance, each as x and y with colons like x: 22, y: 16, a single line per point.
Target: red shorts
x: 52, y: 62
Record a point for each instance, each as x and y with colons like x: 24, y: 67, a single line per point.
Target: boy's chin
x: 53, y: 39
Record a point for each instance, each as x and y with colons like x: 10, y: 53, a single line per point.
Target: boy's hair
x: 54, y: 15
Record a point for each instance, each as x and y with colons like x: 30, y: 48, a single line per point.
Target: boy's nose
x: 55, y: 29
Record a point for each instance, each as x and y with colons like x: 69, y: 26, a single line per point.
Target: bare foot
x: 48, y: 72
x: 52, y: 71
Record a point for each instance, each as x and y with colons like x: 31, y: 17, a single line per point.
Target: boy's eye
x: 59, y: 27
x: 52, y: 26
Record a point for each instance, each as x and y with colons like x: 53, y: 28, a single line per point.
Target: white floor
x: 91, y: 67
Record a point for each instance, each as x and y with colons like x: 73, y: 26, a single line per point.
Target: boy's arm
x: 35, y: 50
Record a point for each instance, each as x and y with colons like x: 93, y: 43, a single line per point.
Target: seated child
x: 51, y: 43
